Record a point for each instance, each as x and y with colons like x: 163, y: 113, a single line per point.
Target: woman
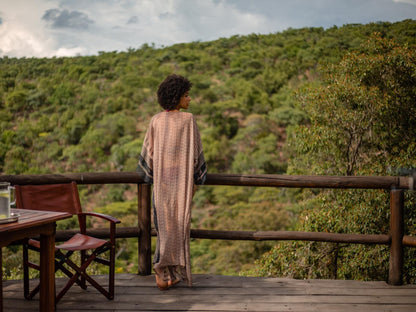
x: 172, y: 159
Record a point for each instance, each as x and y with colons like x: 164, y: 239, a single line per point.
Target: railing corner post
x: 144, y: 224
x: 396, y: 233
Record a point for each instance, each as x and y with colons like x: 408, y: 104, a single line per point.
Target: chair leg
x: 59, y: 265
x: 108, y: 294
x: 80, y: 272
x: 28, y: 294
x: 83, y: 259
x: 111, y: 264
x: 25, y: 270
x: 112, y: 271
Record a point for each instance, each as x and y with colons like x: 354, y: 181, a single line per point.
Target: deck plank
x: 227, y: 293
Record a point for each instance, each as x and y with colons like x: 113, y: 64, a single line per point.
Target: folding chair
x: 65, y: 198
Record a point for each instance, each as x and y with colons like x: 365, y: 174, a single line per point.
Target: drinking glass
x: 7, y: 198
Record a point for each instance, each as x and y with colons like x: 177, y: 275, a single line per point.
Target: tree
x: 362, y: 121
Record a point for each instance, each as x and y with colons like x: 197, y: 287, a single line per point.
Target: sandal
x: 161, y: 283
x: 174, y: 276
x: 174, y: 282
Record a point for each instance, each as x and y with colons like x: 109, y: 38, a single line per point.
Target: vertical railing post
x: 396, y: 233
x: 144, y: 223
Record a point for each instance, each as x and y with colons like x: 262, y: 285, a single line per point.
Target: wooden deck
x: 228, y: 293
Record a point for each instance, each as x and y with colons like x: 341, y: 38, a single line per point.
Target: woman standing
x: 172, y: 159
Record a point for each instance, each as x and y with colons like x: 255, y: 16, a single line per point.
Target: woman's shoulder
x: 187, y: 118
x: 187, y: 115
x: 156, y: 117
x: 178, y: 115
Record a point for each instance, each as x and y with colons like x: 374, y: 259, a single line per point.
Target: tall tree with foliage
x: 362, y: 122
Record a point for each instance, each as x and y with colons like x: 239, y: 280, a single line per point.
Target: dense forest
x: 337, y: 101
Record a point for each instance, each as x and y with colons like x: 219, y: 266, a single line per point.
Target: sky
x: 47, y: 28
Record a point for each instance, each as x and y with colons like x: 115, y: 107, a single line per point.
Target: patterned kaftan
x: 172, y: 159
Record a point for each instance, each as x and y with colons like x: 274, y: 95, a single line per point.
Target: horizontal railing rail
x: 396, y: 185
x: 268, y: 180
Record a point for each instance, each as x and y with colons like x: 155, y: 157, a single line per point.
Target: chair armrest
x: 102, y: 216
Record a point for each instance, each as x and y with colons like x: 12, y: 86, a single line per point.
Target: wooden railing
x: 396, y: 185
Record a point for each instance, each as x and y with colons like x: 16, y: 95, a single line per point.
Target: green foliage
x: 256, y: 147
x: 16, y: 101
x: 90, y: 114
x: 237, y: 209
x: 360, y: 123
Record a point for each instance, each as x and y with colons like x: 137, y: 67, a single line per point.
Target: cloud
x: 133, y: 20
x: 209, y: 20
x: 44, y: 28
x: 70, y: 51
x: 67, y: 19
x: 165, y: 22
x: 18, y: 41
x: 23, y: 32
x: 413, y: 2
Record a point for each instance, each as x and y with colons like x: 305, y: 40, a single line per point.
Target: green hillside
x: 252, y: 96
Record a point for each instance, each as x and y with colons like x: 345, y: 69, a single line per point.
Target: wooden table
x: 33, y: 223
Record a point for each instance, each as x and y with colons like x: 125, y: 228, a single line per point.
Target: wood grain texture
x: 228, y: 293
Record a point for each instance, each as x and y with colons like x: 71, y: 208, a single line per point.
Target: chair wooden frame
x: 65, y: 198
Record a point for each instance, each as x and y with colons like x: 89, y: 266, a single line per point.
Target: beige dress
x: 172, y: 159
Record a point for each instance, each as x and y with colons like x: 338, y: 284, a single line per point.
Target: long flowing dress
x: 173, y: 160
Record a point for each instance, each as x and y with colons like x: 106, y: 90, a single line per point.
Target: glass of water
x: 7, y: 198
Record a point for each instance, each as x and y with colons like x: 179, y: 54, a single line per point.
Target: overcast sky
x: 46, y: 28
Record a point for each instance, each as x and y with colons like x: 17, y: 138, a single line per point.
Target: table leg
x: 1, y: 280
x: 47, y: 272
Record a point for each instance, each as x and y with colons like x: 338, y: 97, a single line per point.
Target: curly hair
x: 171, y: 90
